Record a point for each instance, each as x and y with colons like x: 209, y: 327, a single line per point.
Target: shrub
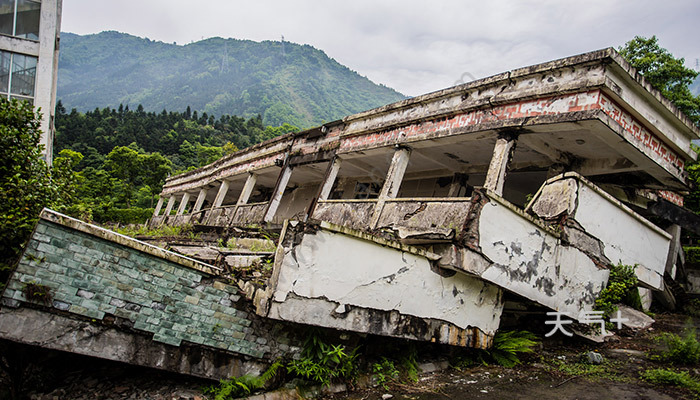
x: 668, y: 377
x: 692, y: 255
x: 123, y: 216
x: 621, y: 288
x: 683, y: 349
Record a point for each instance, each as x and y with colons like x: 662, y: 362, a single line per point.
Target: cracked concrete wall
x: 295, y: 202
x: 530, y: 261
x: 433, y: 220
x: 339, y: 281
x: 603, y: 227
x: 354, y: 214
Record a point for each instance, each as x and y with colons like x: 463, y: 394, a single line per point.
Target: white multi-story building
x: 29, y: 37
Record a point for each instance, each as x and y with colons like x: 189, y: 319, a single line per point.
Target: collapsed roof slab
x: 642, y: 128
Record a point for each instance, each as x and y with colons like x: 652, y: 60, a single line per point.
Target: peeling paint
x: 376, y: 280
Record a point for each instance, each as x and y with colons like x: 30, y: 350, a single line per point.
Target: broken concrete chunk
x: 633, y: 319
x: 594, y: 358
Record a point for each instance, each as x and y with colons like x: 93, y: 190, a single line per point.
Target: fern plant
x: 508, y: 344
x: 323, y: 363
x: 237, y: 387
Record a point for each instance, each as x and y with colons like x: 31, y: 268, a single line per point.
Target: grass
x: 610, y: 370
x: 663, y: 376
x: 163, y: 230
x: 680, y: 349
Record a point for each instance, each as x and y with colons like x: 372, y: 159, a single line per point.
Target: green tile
x: 158, y: 337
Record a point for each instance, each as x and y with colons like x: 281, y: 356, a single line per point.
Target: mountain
x: 282, y: 81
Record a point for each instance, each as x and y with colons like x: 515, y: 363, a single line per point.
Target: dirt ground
x: 553, y: 371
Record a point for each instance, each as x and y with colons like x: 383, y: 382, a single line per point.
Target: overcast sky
x: 412, y: 46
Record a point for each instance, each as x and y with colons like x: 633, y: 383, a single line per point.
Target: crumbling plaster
x: 335, y: 273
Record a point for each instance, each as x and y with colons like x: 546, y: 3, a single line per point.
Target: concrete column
x: 223, y: 189
x: 200, y: 200
x: 329, y: 181
x: 183, y: 203
x: 278, y: 193
x: 502, y: 154
x: 169, y: 207
x: 247, y: 189
x: 673, y: 252
x: 47, y: 71
x: 394, y: 176
x: 459, y: 182
x: 159, y: 205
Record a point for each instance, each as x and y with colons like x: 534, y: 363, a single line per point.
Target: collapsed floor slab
x: 335, y: 277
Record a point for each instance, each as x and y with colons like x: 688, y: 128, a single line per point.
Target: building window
x: 17, y: 75
x: 20, y: 18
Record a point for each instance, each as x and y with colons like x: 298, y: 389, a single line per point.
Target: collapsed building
x: 421, y: 219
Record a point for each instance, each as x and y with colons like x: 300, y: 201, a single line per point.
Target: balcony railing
x: 412, y: 219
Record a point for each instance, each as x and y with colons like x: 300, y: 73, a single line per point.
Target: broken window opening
x: 366, y: 190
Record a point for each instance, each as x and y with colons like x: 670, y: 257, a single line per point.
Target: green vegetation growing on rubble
x: 236, y: 387
x: 621, y: 288
x: 507, y: 348
x: 323, y: 363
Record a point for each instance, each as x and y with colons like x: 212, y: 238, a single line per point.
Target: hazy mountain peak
x: 282, y: 81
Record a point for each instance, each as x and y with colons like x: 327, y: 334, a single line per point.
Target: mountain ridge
x: 281, y: 81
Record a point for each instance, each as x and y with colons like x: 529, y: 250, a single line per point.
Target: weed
x: 232, y: 388
x: 683, y: 349
x: 467, y: 360
x: 323, y: 363
x: 193, y: 236
x: 608, y: 370
x: 384, y: 372
x: 163, y: 230
x: 32, y: 257
x: 408, y: 364
x: 241, y: 386
x: 621, y: 288
x: 692, y: 308
x: 668, y: 377
x: 37, y: 292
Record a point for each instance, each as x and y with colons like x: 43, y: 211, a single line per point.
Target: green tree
x: 664, y: 72
x: 26, y: 182
x: 156, y: 168
x: 672, y: 78
x: 125, y: 165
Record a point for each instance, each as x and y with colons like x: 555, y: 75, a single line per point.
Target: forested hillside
x: 283, y: 82
x: 186, y: 138
x: 122, y: 157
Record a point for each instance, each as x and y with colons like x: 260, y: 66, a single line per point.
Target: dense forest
x: 121, y: 157
x: 281, y: 81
